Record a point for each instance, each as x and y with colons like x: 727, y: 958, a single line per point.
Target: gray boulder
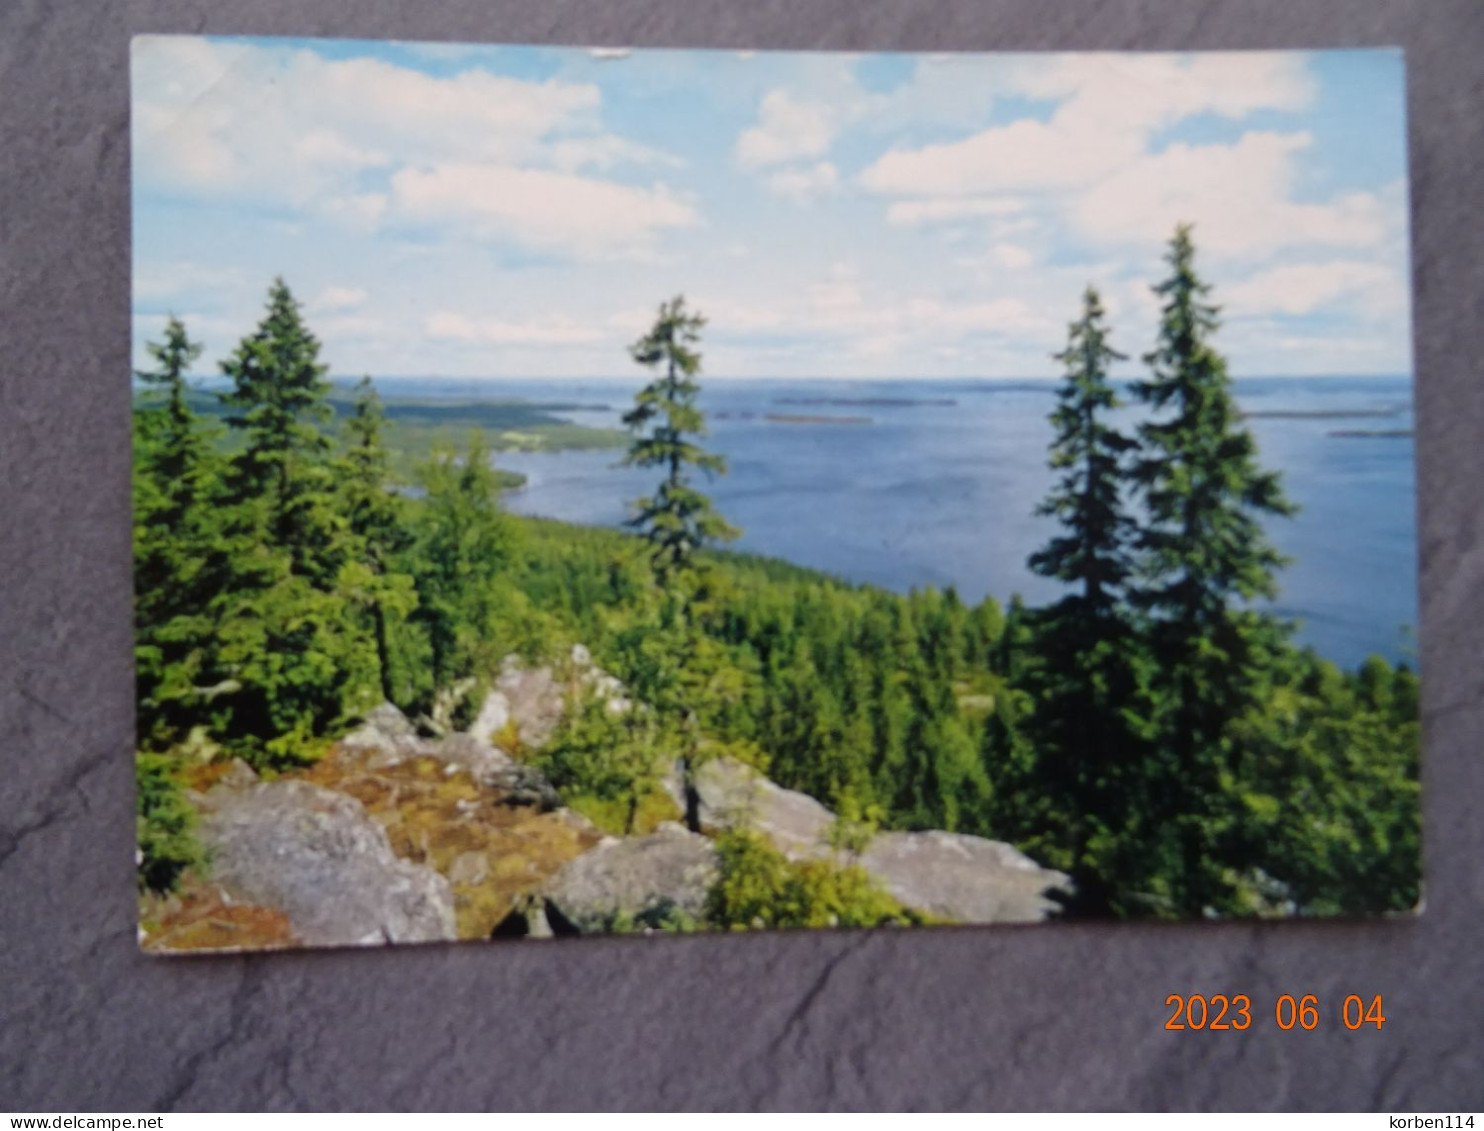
x: 965, y: 878
x: 733, y: 794
x: 671, y: 869
x: 533, y: 699
x: 317, y: 856
x: 485, y: 763
x: 387, y: 735
x: 494, y: 713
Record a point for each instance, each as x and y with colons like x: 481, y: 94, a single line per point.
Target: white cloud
x: 1094, y: 158
x: 157, y: 282
x: 339, y: 298
x: 1238, y: 196
x: 1012, y: 256
x: 287, y: 127
x: 1302, y: 288
x: 911, y: 213
x: 540, y: 207
x: 446, y: 325
x: 1110, y: 105
x: 1001, y: 316
x: 802, y: 185
x: 787, y: 129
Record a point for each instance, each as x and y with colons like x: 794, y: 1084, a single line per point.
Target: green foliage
x: 289, y: 665
x: 166, y: 825
x: 759, y: 888
x: 664, y: 916
x: 1152, y: 733
x: 677, y: 519
x: 463, y: 542
x: 180, y: 556
x: 1089, y: 453
x: 1330, y: 813
x: 1086, y: 673
x: 283, y: 475
x: 610, y: 758
x: 378, y: 528
x: 1204, y: 556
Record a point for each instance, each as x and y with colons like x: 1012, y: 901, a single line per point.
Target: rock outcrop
x: 967, y: 879
x: 533, y: 700
x: 399, y: 837
x: 387, y: 735
x: 387, y: 739
x: 634, y: 878
x: 316, y: 856
x: 494, y: 844
x: 733, y: 794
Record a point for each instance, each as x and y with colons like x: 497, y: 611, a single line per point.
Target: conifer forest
x: 1155, y: 734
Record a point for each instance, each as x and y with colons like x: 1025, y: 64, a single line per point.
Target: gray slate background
x: 1063, y: 1017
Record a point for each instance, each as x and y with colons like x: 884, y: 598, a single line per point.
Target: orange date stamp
x: 1234, y: 1012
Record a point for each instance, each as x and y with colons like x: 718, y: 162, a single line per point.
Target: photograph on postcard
x: 591, y: 490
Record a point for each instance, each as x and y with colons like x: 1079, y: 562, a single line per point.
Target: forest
x: 1155, y: 733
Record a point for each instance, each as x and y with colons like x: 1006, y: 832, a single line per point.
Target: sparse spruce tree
x: 677, y: 521
x: 1085, y: 680
x: 1205, y: 558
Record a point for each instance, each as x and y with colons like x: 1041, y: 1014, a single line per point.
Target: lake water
x: 937, y: 481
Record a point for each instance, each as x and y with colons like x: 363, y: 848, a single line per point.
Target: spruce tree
x: 1092, y: 554
x: 464, y: 542
x: 278, y: 402
x: 375, y: 516
x: 1085, y: 679
x: 178, y: 559
x: 1205, y: 559
x: 677, y: 519
x: 290, y: 662
x: 177, y: 565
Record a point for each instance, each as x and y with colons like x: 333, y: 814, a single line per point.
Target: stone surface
x: 964, y: 878
x: 495, y: 841
x: 669, y: 868
x: 484, y: 762
x: 732, y: 793
x: 535, y: 701
x: 494, y: 713
x: 315, y: 855
x: 387, y: 732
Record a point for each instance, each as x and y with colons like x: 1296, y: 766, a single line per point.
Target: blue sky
x: 511, y: 211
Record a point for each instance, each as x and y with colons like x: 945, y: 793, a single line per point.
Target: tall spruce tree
x: 1092, y: 554
x: 278, y: 402
x: 1206, y: 558
x: 677, y: 521
x: 1086, y: 678
x: 178, y: 559
x: 290, y: 662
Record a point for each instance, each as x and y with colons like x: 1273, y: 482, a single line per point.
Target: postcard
x: 584, y: 491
